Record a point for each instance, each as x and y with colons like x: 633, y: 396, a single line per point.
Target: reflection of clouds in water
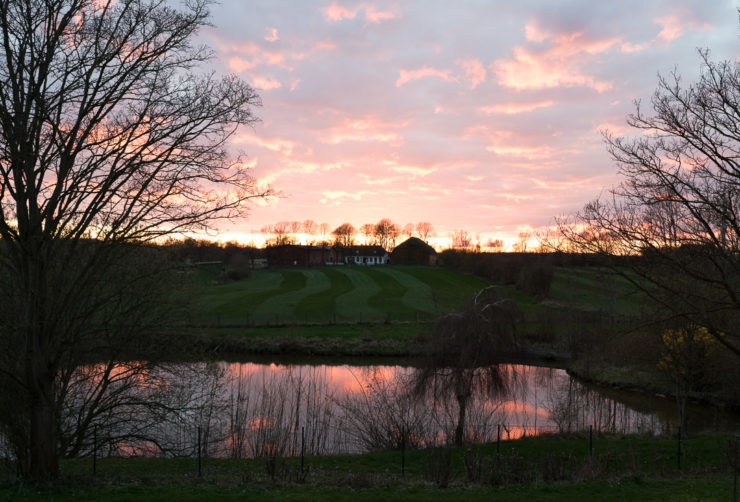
x: 247, y: 409
x: 523, y: 408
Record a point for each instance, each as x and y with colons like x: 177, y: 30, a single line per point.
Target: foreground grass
x: 543, y: 468
x: 690, y: 488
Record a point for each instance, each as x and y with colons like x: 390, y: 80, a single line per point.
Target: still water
x: 250, y: 410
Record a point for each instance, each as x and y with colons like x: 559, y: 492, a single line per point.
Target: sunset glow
x: 485, y: 116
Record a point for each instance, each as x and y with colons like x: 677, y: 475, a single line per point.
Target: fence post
x: 303, y: 446
x: 679, y: 447
x: 95, y: 450
x: 734, y: 486
x: 403, y: 451
x: 199, y: 462
x: 591, y: 441
x: 498, y: 439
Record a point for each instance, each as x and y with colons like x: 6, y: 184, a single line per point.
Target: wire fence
x: 586, y: 454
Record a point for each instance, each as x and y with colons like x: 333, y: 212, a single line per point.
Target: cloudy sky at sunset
x: 483, y: 115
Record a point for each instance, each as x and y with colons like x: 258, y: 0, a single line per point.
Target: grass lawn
x: 593, y: 288
x: 541, y: 468
x: 685, y: 489
x: 330, y: 294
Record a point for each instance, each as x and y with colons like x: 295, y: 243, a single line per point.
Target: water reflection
x: 254, y: 410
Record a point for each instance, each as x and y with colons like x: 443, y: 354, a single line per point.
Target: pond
x: 251, y: 410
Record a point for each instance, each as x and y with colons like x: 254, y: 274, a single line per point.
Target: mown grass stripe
x: 353, y: 305
x: 390, y: 298
x: 283, y: 306
x: 450, y: 290
x: 321, y: 306
x: 238, y: 299
x: 418, y: 295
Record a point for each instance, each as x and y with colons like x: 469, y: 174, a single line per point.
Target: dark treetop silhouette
x: 106, y: 133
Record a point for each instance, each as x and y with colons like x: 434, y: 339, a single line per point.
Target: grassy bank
x: 546, y: 467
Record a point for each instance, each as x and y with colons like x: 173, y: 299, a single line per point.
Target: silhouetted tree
x: 281, y: 234
x: 368, y: 231
x: 324, y: 229
x: 344, y: 235
x: 461, y: 239
x: 310, y: 227
x: 424, y: 230
x: 495, y: 244
x: 386, y: 233
x: 679, y: 202
x: 107, y: 133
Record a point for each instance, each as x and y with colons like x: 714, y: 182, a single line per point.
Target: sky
x: 474, y: 114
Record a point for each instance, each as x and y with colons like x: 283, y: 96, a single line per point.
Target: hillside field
x: 334, y: 294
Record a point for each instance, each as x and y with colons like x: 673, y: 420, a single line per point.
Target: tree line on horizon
x: 384, y: 233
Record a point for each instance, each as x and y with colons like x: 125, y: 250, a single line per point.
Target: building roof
x: 365, y: 251
x: 417, y: 244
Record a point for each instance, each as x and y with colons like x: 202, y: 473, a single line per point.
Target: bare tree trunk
x: 44, y: 464
x: 462, y: 403
x: 40, y: 373
x: 462, y: 393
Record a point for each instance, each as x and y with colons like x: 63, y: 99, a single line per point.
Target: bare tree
x: 295, y: 227
x: 495, y: 245
x: 324, y: 230
x: 679, y: 202
x: 368, y: 231
x: 344, y: 235
x: 107, y: 133
x: 310, y: 227
x: 408, y: 230
x: 281, y: 234
x: 522, y: 243
x: 461, y: 239
x: 424, y: 230
x: 386, y: 233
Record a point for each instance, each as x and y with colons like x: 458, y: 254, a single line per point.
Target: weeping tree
x: 110, y: 136
x: 465, y: 353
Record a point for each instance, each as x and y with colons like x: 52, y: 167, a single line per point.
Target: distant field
x: 592, y: 289
x: 328, y: 294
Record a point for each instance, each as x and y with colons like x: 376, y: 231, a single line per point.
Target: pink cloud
x: 673, y: 26
x: 324, y: 44
x: 375, y: 16
x: 292, y: 168
x: 334, y: 197
x: 628, y: 47
x: 249, y: 54
x: 364, y: 129
x: 534, y: 32
x: 265, y: 83
x: 410, y: 170
x: 238, y: 64
x: 425, y: 71
x: 558, y: 63
x: 336, y: 12
x: 515, y: 108
x: 272, y: 34
x: 282, y: 145
x: 474, y: 71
